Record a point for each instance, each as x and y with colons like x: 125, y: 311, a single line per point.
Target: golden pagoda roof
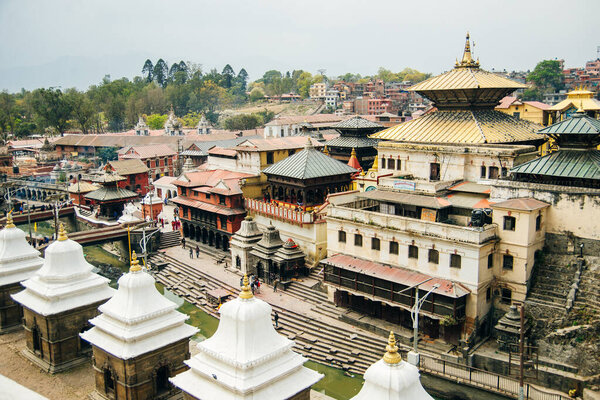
x: 463, y: 126
x: 466, y: 85
x: 579, y: 98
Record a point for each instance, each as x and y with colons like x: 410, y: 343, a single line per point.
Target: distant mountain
x: 67, y: 72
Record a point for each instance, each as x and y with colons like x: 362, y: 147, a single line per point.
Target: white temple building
x: 204, y: 127
x: 246, y: 358
x: 140, y: 328
x: 392, y: 379
x: 58, y: 301
x: 18, y: 262
x: 142, y: 129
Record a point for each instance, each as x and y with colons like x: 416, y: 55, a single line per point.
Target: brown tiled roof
x: 129, y: 167
x: 217, y: 209
x: 524, y: 204
x: 222, y: 152
x: 155, y: 150
x: 207, y: 181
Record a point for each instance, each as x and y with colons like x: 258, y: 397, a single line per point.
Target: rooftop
x: 523, y: 204
x: 129, y: 167
x: 155, y: 150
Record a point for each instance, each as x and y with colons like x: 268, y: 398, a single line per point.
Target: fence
x: 484, y: 379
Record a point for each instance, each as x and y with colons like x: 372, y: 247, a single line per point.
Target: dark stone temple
x: 354, y: 134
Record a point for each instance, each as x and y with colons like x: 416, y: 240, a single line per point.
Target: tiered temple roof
x: 246, y: 358
x: 64, y: 282
x: 465, y: 98
x: 137, y: 319
x: 18, y: 260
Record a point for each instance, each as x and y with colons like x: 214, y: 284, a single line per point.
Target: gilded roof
x: 463, y: 126
x: 582, y: 164
x: 466, y: 78
x: 307, y: 164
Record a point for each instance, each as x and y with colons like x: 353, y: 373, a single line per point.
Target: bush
x: 242, y: 122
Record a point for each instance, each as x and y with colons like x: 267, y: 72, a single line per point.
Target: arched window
x: 162, y: 380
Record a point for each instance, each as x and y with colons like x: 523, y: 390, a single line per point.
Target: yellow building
x: 578, y: 98
x: 533, y: 111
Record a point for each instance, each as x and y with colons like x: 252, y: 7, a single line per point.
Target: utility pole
x: 522, y: 355
x: 29, y: 218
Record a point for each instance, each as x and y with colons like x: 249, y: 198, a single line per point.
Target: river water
x: 334, y: 383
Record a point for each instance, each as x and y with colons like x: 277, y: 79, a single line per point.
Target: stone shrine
x: 58, y: 301
x: 139, y: 340
x: 246, y: 358
x: 18, y: 262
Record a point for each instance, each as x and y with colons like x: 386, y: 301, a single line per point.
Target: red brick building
x: 135, y: 173
x: 159, y: 158
x: 211, y: 206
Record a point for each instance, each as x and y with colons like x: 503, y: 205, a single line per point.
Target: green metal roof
x: 578, y: 124
x: 307, y: 164
x: 352, y: 142
x: 356, y: 122
x: 583, y: 164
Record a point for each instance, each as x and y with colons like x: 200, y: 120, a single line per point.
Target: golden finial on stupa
x: 375, y: 166
x: 246, y: 293
x: 325, y: 150
x: 391, y: 355
x: 62, y: 233
x: 467, y: 58
x: 9, y: 220
x: 135, y: 264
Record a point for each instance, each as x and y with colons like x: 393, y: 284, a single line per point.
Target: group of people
x: 254, y: 284
x: 192, y: 250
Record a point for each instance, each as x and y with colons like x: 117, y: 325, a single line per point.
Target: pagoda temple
x: 58, y: 301
x: 246, y: 358
x: 576, y: 99
x: 392, y: 379
x: 110, y: 198
x: 354, y: 136
x: 464, y: 100
x: 304, y: 179
x: 18, y: 262
x: 138, y: 341
x: 577, y: 161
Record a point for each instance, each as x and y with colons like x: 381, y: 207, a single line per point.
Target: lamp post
x: 581, y: 250
x: 413, y: 356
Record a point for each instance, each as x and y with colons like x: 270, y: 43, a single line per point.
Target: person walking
x: 257, y: 284
x: 197, y: 251
x: 191, y: 253
x: 276, y: 318
x: 183, y: 243
x: 275, y: 283
x: 252, y: 286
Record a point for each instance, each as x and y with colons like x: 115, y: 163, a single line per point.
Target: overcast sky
x: 76, y: 42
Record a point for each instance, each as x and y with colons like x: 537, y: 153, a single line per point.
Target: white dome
x: 137, y: 319
x: 64, y: 282
x: 18, y: 259
x: 392, y: 379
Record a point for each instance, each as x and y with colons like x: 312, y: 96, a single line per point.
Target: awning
x: 398, y: 275
x: 217, y: 209
x: 435, y: 203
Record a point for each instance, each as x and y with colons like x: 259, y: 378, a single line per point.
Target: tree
x: 257, y: 94
x: 270, y: 76
x: 156, y: 121
x: 303, y: 84
x: 52, y: 108
x: 242, y: 122
x: 161, y: 73
x: 82, y: 109
x: 7, y: 112
x: 148, y: 70
x: 228, y: 75
x: 107, y: 154
x: 546, y: 75
x: 242, y: 78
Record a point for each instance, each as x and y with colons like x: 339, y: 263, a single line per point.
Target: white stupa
x: 392, y: 379
x: 64, y: 282
x: 18, y: 259
x: 137, y: 319
x: 128, y: 217
x: 246, y: 358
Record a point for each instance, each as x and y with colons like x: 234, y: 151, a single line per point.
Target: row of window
x: 505, y: 295
x: 413, y: 251
x: 390, y: 163
x: 433, y: 256
x: 510, y: 223
x: 493, y: 172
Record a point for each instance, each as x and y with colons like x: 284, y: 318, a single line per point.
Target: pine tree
x: 161, y: 73
x: 147, y: 69
x: 228, y: 75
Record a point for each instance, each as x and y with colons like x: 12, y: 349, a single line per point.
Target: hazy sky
x: 76, y: 42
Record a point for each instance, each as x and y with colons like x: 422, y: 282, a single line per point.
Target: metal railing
x: 484, y: 379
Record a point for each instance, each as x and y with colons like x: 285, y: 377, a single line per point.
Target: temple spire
x: 9, y: 221
x: 467, y: 58
x: 246, y: 293
x: 135, y: 264
x: 391, y: 355
x: 62, y: 234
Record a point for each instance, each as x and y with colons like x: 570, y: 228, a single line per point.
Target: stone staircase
x: 587, y: 302
x: 84, y: 212
x: 169, y: 239
x: 552, y: 282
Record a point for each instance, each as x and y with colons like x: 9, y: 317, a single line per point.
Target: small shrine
x: 304, y: 179
x: 246, y: 358
x: 78, y: 190
x: 508, y: 330
x: 57, y: 302
x: 130, y: 215
x: 152, y: 205
x: 578, y: 99
x: 392, y: 379
x: 18, y: 262
x: 142, y: 129
x: 204, y: 127
x: 354, y: 137
x: 242, y: 243
x: 173, y: 126
x: 110, y: 198
x: 288, y: 262
x: 139, y: 340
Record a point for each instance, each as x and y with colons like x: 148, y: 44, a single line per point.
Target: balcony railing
x: 406, y: 224
x: 282, y: 213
